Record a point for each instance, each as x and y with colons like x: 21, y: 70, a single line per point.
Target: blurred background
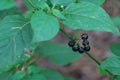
x: 85, y: 68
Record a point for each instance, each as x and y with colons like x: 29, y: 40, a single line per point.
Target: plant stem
x: 70, y: 37
x: 94, y: 59
x: 88, y: 54
x: 66, y: 34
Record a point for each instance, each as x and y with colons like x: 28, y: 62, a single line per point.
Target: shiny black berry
x: 71, y: 43
x: 87, y: 48
x: 81, y: 50
x: 75, y: 48
x: 84, y: 36
x: 85, y: 42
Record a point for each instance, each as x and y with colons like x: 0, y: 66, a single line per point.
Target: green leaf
x: 58, y: 53
x: 52, y: 75
x: 35, y: 77
x: 116, y: 20
x: 112, y: 64
x: 98, y: 2
x: 45, y: 27
x: 6, y: 4
x: 115, y: 48
x: 58, y: 14
x: 101, y: 71
x: 15, y: 36
x: 11, y: 11
x: 11, y: 75
x: 116, y: 78
x: 43, y: 74
x: 87, y: 16
x: 6, y: 75
x: 31, y: 4
x: 62, y: 2
x: 34, y: 69
x: 28, y: 14
x: 38, y: 77
x: 18, y: 75
x: 44, y: 5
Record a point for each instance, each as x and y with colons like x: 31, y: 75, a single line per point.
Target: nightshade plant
x: 24, y: 37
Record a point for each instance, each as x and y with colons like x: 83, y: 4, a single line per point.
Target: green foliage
x: 52, y: 75
x: 6, y: 75
x: 49, y: 74
x: 6, y: 4
x: 97, y: 2
x: 28, y: 14
x: 22, y: 36
x: 11, y: 11
x: 30, y: 74
x: 15, y: 30
x: 90, y: 16
x: 62, y: 2
x: 116, y: 20
x: 35, y: 77
x: 57, y: 53
x: 58, y: 14
x: 101, y: 70
x: 18, y: 75
x: 112, y: 64
x: 115, y: 48
x: 117, y: 78
x: 36, y: 4
x: 43, y: 26
x: 33, y: 69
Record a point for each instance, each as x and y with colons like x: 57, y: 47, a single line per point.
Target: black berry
x: 85, y: 42
x: 75, y: 48
x: 71, y: 43
x: 87, y: 48
x: 84, y: 36
x: 81, y: 50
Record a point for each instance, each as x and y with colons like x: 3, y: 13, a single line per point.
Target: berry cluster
x: 85, y: 44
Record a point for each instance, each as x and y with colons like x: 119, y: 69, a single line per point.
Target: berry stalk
x: 88, y: 54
